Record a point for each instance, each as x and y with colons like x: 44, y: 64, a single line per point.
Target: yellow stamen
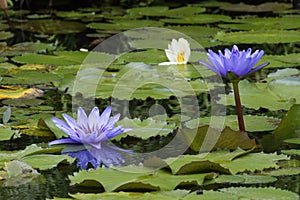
x: 180, y: 57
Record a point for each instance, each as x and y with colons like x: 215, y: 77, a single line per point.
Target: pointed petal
x: 63, y: 141
x: 93, y: 119
x: 259, y: 67
x: 82, y: 119
x: 171, y: 55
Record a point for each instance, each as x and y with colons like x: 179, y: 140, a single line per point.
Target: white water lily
x: 178, y: 52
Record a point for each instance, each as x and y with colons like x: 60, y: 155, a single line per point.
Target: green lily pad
x: 254, y: 96
x: 50, y: 26
x: 25, y: 47
x: 169, y: 195
x: 191, y: 164
x: 280, y: 61
x: 39, y: 16
x: 293, y: 140
x: 282, y: 172
x: 46, y: 161
x: 245, y: 179
x: 124, y: 24
x: 244, y: 193
x: 198, y: 19
x: 119, y: 179
x: 291, y: 151
x: 255, y: 23
x: 205, y: 138
x: 76, y: 15
x: 253, y: 123
x: 145, y: 128
x: 280, y: 73
x: 6, y: 133
x: 254, y: 161
x: 259, y: 37
x: 261, y: 193
x: 6, y: 156
x: 158, y: 11
x: 289, y: 126
x: 63, y: 58
x: 3, y: 27
x: 5, y: 35
x: 17, y: 173
x: 264, y: 7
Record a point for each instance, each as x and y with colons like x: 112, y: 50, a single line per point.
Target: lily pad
x: 291, y: 151
x: 205, y: 138
x: 118, y: 179
x: 198, y: 19
x: 50, y: 26
x: 76, y: 15
x: 245, y: 179
x: 145, y: 128
x: 25, y: 47
x: 254, y: 96
x: 124, y: 24
x: 15, y: 92
x: 261, y: 193
x: 45, y: 161
x: 6, y: 133
x: 157, y: 11
x: 5, y: 35
x: 17, y: 173
x: 259, y: 37
x: 254, y: 161
x: 255, y: 23
x: 253, y: 123
x: 169, y: 195
x: 293, y: 140
x: 264, y: 7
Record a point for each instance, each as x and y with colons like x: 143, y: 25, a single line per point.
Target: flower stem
x: 238, y: 104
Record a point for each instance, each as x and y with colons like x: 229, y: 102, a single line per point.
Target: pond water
x: 55, y: 59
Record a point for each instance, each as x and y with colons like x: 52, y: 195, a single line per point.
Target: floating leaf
x: 44, y: 161
x: 282, y: 172
x: 50, y: 26
x: 280, y: 73
x: 124, y: 24
x: 259, y: 37
x: 264, y: 7
x: 14, y: 92
x: 25, y: 47
x: 254, y: 161
x: 158, y: 11
x: 130, y: 181
x: 205, y: 138
x: 253, y: 123
x: 6, y: 156
x: 75, y: 15
x: 292, y: 140
x: 145, y: 128
x: 6, y: 115
x: 245, y: 179
x: 205, y: 162
x: 5, y: 35
x: 64, y: 58
x: 169, y: 195
x: 291, y: 151
x: 255, y: 23
x: 5, y: 134
x: 254, y: 96
x: 261, y: 193
x: 18, y: 173
x: 198, y: 19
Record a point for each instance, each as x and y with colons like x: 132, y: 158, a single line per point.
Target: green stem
x: 238, y: 104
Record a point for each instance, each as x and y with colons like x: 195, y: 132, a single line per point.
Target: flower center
x: 180, y: 57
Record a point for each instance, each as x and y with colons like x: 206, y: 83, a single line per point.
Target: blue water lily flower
x: 91, y: 130
x: 238, y: 63
x: 108, y: 155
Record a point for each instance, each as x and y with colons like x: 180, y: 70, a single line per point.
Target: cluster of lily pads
x: 31, y: 70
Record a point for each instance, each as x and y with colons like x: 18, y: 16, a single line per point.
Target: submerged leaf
x: 15, y: 92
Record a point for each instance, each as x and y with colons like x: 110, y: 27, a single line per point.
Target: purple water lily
x: 91, y: 130
x: 240, y: 63
x: 108, y: 155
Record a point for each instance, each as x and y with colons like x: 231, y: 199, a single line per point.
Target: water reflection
x: 107, y: 155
